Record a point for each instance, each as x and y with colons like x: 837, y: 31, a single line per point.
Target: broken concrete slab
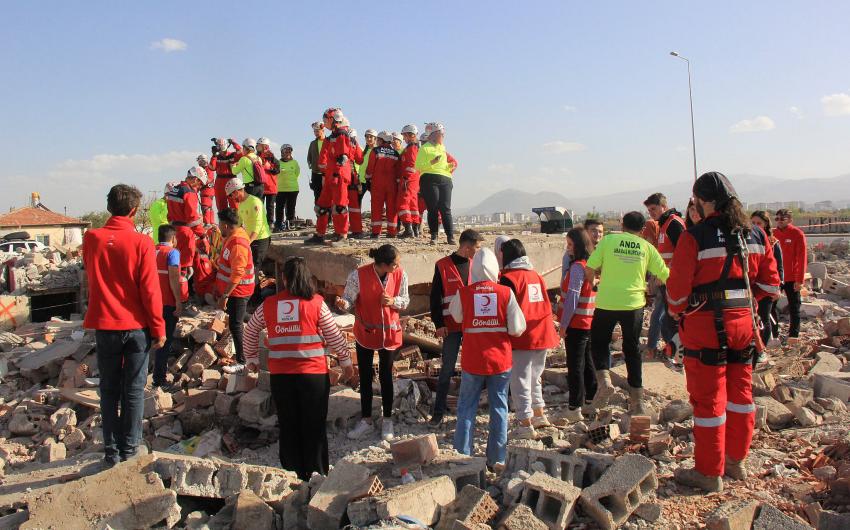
x: 826, y: 362
x: 733, y: 515
x: 328, y: 506
x: 832, y: 384
x: 521, y: 517
x: 251, y: 512
x: 552, y: 500
x: 777, y: 414
x: 471, y: 506
x: 422, y: 500
x: 52, y: 353
x: 620, y: 490
x: 771, y: 518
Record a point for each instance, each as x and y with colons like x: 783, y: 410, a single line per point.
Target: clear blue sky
x: 576, y: 97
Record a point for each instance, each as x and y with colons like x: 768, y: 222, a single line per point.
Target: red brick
x: 415, y: 451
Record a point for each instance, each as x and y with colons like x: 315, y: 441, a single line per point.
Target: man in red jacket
x: 182, y: 204
x: 792, y: 241
x: 125, y: 309
x: 708, y: 292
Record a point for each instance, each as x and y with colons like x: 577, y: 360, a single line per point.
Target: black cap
x: 714, y: 186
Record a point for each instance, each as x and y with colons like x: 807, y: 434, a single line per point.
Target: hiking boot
x: 604, y: 389
x: 693, y: 478
x: 315, y: 239
x: 524, y: 432
x: 362, y: 429
x: 387, y: 429
x: 407, y: 233
x: 735, y: 469
x: 416, y: 230
x: 636, y: 405
x: 358, y: 235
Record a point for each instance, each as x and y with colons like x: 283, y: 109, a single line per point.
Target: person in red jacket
x: 408, y: 186
x: 792, y: 240
x: 299, y: 324
x: 383, y: 171
x: 356, y: 188
x: 182, y: 204
x: 175, y: 292
x: 530, y: 348
x: 125, y: 309
x: 578, y: 301
x: 338, y: 149
x: 490, y: 316
x: 221, y: 160
x: 207, y: 191
x: 707, y: 292
x: 272, y: 167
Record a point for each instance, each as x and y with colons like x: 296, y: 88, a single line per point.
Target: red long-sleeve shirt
x: 792, y: 241
x: 123, y: 282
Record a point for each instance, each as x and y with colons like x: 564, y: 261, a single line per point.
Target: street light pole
x: 691, y: 100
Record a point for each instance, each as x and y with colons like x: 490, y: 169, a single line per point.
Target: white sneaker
x: 540, y: 421
x: 237, y: 368
x: 573, y: 415
x: 387, y: 429
x: 362, y: 429
x: 524, y: 432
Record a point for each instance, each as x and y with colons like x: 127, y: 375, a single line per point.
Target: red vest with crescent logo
x: 665, y: 246
x: 583, y: 316
x: 295, y: 345
x: 377, y: 326
x: 486, y: 343
x: 162, y: 252
x: 535, y: 305
x: 452, y: 282
x: 222, y: 277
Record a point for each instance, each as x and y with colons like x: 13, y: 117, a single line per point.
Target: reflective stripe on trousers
x: 716, y: 421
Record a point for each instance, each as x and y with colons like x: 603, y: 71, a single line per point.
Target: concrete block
x: 604, y: 433
x: 52, y: 452
x: 471, y: 506
x: 156, y: 402
x: 327, y: 507
x: 521, y: 517
x: 518, y: 455
x: 225, y: 404
x: 649, y: 511
x: 842, y: 326
x: 829, y: 520
x: 596, y: 463
x: 239, y: 383
x: 833, y: 385
x: 817, y: 270
x: 771, y: 518
x: 677, y: 410
x: 826, y: 362
x: 462, y: 470
x: 658, y: 443
x: 793, y: 392
x: 552, y: 500
x: 777, y: 414
x: 251, y: 512
x: 733, y: 515
x: 422, y: 500
x: 199, y: 398
x: 255, y: 405
x: 204, y: 336
x: 620, y: 490
x: 210, y: 378
x: 205, y: 356
x: 568, y: 468
x: 420, y: 450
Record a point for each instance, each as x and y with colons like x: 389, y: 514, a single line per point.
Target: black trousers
x: 767, y: 309
x: 437, y: 192
x: 581, y: 378
x: 270, y: 200
x: 285, y: 202
x: 254, y: 188
x: 794, y: 303
x: 316, y: 180
x: 236, y: 308
x: 259, y: 249
x: 365, y: 363
x: 601, y: 330
x: 302, y: 409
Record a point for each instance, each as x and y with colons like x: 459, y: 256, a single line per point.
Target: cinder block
x: 521, y: 517
x: 255, y: 405
x: 422, y: 500
x: 251, y: 512
x: 199, y: 398
x: 472, y: 506
x: 733, y: 515
x: 620, y: 490
x: 604, y: 433
x: 518, y: 455
x: 199, y: 477
x: 225, y: 404
x: 772, y: 518
x: 552, y: 501
x: 327, y: 507
x: 419, y: 450
x: 568, y: 468
x: 205, y: 356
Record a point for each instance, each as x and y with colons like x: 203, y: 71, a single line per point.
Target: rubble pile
x: 43, y: 271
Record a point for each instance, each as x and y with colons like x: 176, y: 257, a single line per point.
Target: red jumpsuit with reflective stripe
x: 384, y: 170
x: 207, y: 194
x: 337, y: 151
x: 355, y: 212
x: 724, y: 413
x: 220, y: 163
x: 182, y: 205
x: 408, y: 186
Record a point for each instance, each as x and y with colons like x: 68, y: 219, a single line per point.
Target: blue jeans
x: 660, y: 322
x: 451, y: 346
x: 160, y: 362
x: 122, y: 360
x: 467, y: 407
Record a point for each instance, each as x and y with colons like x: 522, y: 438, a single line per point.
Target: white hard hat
x: 285, y: 146
x: 434, y: 126
x: 169, y: 186
x: 352, y: 133
x: 385, y: 136
x: 423, y: 137
x: 203, y: 157
x: 371, y: 132
x: 199, y: 173
x: 263, y: 140
x: 249, y: 142
x: 233, y: 184
x: 318, y: 125
x: 409, y: 129
x: 221, y: 142
x: 338, y: 117
x: 396, y: 136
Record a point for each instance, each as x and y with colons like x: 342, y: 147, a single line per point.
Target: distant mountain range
x: 750, y: 188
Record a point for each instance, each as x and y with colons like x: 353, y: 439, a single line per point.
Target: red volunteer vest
x: 486, y: 343
x: 583, y: 315
x: 665, y: 246
x: 534, y: 302
x: 452, y: 282
x: 295, y: 345
x: 222, y: 277
x: 162, y: 252
x: 377, y: 326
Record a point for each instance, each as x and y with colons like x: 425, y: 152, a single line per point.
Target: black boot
x: 407, y: 233
x: 416, y: 230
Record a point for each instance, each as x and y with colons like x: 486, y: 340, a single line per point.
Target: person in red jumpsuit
x: 707, y: 292
x: 338, y: 150
x: 383, y: 170
x: 207, y: 191
x: 408, y: 186
x: 272, y: 167
x: 222, y: 157
x: 182, y: 203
